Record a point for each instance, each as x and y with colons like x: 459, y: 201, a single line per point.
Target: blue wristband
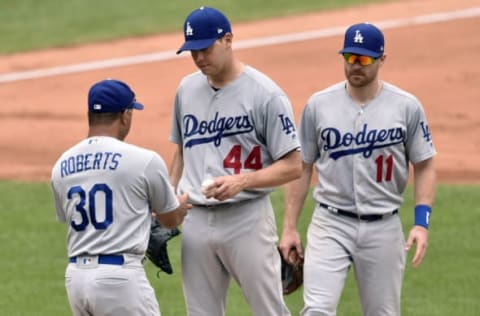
x: 422, y: 215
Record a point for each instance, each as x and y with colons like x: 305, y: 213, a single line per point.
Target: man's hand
x: 291, y: 246
x: 225, y: 187
x: 419, y: 236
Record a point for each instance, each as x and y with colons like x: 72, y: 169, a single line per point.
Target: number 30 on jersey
x: 87, y: 207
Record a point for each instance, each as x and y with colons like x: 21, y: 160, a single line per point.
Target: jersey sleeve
x: 160, y: 191
x: 280, y: 129
x: 419, y: 142
x: 57, y: 201
x: 308, y: 137
x: 176, y: 130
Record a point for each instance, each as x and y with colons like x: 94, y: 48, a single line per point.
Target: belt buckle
x: 332, y: 209
x: 377, y: 217
x: 87, y: 261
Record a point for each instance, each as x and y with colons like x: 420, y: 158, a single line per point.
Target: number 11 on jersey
x: 388, y: 162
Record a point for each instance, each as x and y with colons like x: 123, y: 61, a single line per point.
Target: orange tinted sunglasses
x: 363, y: 60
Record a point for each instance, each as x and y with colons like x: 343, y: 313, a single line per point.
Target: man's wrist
x: 422, y: 215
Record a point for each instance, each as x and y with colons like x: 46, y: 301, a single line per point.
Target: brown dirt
x: 437, y: 62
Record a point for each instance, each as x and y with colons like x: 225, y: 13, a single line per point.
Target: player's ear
x: 382, y: 59
x: 126, y: 116
x: 124, y: 124
x: 228, y: 39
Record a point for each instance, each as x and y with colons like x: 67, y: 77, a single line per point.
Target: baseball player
x: 361, y: 135
x: 234, y: 127
x: 104, y: 190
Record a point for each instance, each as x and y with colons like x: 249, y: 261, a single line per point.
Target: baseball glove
x: 157, y: 245
x: 292, y: 274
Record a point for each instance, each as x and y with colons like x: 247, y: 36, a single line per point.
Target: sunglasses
x: 363, y: 60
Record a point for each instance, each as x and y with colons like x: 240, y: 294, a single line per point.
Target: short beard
x: 359, y: 82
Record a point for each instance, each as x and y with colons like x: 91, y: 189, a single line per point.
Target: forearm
x: 170, y: 219
x: 280, y: 172
x: 176, y: 167
x: 175, y: 217
x: 425, y: 177
x: 295, y: 194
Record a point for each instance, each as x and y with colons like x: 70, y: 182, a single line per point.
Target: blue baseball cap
x: 363, y: 39
x: 111, y: 95
x: 203, y: 27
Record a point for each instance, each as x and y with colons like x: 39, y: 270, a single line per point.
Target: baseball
x: 207, y: 183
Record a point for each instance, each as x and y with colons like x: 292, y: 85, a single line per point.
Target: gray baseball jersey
x: 229, y: 131
x: 105, y: 189
x: 364, y: 151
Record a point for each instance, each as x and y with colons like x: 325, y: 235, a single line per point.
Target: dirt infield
x: 437, y: 62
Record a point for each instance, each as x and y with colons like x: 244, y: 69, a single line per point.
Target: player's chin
x: 205, y: 69
x: 357, y: 80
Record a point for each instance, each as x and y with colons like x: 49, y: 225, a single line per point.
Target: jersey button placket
x: 357, y: 161
x: 209, y: 155
x: 207, y: 169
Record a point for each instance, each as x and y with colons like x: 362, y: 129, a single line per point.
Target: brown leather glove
x: 292, y: 274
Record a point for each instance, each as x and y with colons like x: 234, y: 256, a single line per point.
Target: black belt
x: 363, y: 217
x: 213, y: 205
x: 104, y: 259
x: 206, y: 205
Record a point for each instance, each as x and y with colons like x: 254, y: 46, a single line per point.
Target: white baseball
x: 206, y: 183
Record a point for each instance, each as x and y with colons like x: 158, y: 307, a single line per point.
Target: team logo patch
x: 188, y: 30
x: 426, y: 132
x: 287, y: 125
x: 358, y: 37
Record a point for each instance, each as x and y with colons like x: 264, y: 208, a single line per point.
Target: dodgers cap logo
x: 364, y: 39
x: 110, y: 95
x: 203, y: 27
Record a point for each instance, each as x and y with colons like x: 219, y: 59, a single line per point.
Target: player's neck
x: 363, y: 95
x: 230, y: 73
x: 103, y: 131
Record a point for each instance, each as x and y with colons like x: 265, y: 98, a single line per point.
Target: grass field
x: 34, y: 258
x: 33, y: 24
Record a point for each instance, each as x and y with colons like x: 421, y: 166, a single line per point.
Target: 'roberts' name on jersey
x: 90, y: 161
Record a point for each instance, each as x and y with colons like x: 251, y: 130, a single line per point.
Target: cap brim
x: 137, y: 106
x: 196, y: 44
x: 360, y: 51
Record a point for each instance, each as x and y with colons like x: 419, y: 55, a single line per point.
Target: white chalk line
x: 245, y: 44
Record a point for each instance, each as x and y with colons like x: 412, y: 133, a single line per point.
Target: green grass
x: 34, y: 258
x: 32, y: 24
